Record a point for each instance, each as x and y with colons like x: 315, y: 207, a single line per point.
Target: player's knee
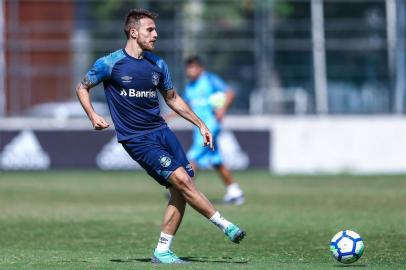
x: 184, y: 183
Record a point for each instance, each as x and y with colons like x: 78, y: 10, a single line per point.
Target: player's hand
x: 220, y: 114
x: 99, y: 122
x: 207, y: 137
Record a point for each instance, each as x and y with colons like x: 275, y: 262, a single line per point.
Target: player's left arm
x: 176, y: 103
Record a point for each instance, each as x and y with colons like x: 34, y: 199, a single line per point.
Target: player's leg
x: 149, y: 153
x: 234, y: 193
x: 174, y: 212
x: 172, y: 218
x: 225, y: 174
x: 181, y: 180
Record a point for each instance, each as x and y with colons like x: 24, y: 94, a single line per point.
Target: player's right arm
x: 98, y: 73
x: 83, y: 93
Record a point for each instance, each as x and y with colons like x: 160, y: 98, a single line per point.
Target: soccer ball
x: 217, y: 100
x: 347, y: 246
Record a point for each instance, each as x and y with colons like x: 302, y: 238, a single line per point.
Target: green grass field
x: 110, y: 220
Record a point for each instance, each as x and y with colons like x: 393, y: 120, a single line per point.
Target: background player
x: 131, y: 78
x: 201, y: 86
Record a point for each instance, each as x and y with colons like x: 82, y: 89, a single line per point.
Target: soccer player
x: 131, y: 78
x: 201, y: 87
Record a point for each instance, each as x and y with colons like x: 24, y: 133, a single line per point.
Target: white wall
x: 330, y: 145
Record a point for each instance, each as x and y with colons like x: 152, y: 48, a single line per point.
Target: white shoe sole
x: 237, y: 200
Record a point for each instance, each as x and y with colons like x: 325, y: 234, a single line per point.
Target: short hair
x: 193, y: 60
x: 133, y: 18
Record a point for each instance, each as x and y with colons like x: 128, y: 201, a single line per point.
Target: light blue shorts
x: 204, y: 157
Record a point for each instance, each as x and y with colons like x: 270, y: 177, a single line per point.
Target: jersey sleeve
x: 218, y: 84
x: 166, y: 80
x: 99, y: 72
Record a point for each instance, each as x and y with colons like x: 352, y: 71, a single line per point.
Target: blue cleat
x: 234, y: 233
x: 167, y: 257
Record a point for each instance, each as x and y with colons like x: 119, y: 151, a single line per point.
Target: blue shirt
x: 197, y: 95
x: 131, y: 87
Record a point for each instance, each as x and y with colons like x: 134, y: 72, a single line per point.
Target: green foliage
x: 113, y: 9
x: 283, y: 9
x: 105, y: 9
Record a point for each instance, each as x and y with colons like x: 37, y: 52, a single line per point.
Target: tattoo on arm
x: 86, y: 83
x: 168, y: 94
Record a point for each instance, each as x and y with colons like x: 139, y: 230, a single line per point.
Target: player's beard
x: 147, y: 46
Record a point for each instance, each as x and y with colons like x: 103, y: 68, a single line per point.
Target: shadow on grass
x: 215, y: 259
x: 350, y: 265
x: 215, y: 201
x: 221, y: 202
x: 189, y: 259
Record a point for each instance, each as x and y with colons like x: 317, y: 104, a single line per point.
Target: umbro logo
x: 126, y: 79
x: 163, y: 240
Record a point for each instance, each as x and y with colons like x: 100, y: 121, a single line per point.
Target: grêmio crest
x: 155, y: 78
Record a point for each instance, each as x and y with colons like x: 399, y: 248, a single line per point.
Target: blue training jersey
x: 131, y: 87
x: 197, y: 94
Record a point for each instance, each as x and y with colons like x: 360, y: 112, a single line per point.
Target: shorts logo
x: 165, y: 161
x: 155, y: 78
